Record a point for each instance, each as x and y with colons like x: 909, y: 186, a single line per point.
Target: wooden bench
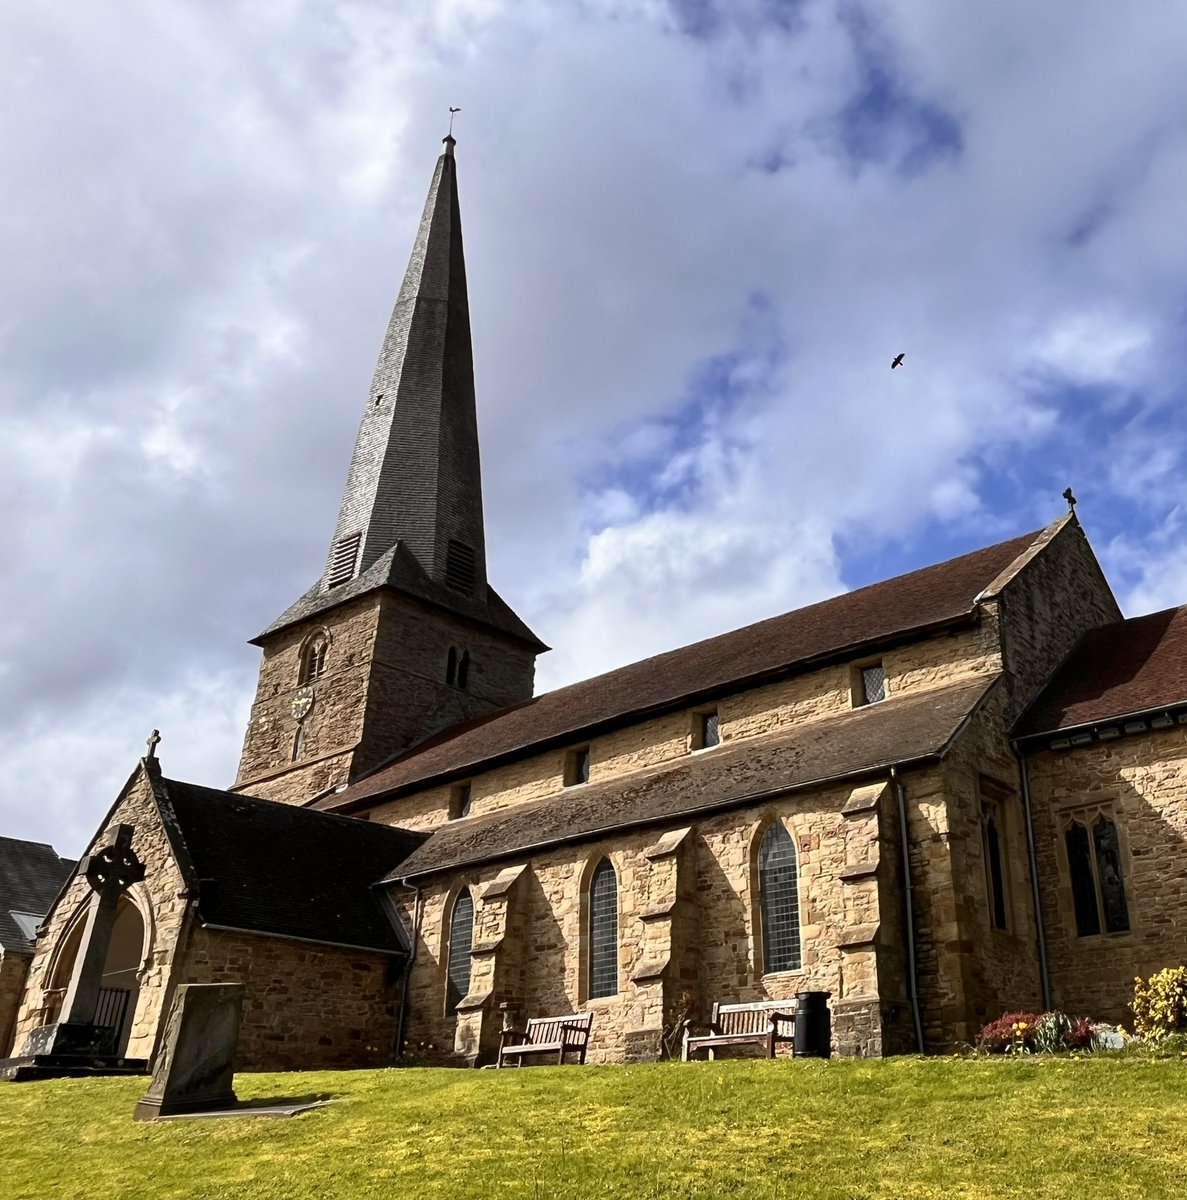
x: 764, y: 1024
x: 546, y: 1036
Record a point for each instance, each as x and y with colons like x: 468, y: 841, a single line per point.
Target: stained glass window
x: 461, y: 938
x: 603, y: 931
x: 778, y: 884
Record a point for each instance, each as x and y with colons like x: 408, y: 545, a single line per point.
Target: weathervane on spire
x: 1070, y: 498
x: 451, y: 112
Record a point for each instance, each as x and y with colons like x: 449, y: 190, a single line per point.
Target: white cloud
x: 207, y: 215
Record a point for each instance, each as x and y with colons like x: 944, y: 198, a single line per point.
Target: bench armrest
x: 504, y: 1034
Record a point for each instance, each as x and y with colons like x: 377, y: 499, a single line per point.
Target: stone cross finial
x: 154, y: 740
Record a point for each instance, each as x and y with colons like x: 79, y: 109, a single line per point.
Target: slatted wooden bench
x: 547, y: 1036
x: 764, y: 1024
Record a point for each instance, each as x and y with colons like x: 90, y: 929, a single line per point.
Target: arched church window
x: 779, y: 899
x: 451, y: 666
x: 1098, y: 889
x: 313, y: 660
x: 463, y: 670
x: 603, y: 931
x: 461, y: 939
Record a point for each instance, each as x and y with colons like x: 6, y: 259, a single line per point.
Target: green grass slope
x: 846, y: 1130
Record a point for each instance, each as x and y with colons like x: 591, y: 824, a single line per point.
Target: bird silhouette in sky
x: 897, y: 361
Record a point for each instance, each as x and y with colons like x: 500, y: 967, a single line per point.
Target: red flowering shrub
x: 1013, y: 1029
x: 1082, y: 1033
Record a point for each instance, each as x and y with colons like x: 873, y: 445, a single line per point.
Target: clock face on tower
x: 302, y: 703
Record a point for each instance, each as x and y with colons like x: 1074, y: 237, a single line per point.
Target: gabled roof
x: 1118, y: 670
x: 862, y: 621
x: 265, y: 867
x: 30, y: 875
x: 909, y: 729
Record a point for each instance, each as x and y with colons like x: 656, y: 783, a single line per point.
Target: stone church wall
x: 306, y: 1006
x: 1141, y: 783
x: 384, y: 688
x: 931, y: 662
x: 13, y: 970
x: 688, y: 931
x: 162, y: 906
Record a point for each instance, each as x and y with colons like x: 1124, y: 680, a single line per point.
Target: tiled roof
x: 1127, y: 667
x: 272, y: 868
x: 908, y: 729
x: 399, y: 571
x: 856, y: 622
x: 30, y: 875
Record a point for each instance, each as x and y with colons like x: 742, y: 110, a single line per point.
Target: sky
x: 696, y: 234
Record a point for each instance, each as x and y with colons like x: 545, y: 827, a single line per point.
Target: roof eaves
x: 1024, y: 740
x: 628, y: 716
x: 667, y: 818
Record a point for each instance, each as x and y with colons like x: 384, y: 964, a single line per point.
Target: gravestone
x: 194, y: 1068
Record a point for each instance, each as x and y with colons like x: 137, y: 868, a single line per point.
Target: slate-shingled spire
x: 415, y: 476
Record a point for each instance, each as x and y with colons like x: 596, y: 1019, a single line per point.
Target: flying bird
x: 897, y: 361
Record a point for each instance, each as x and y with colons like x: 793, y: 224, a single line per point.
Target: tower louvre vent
x: 342, y: 561
x: 460, y: 565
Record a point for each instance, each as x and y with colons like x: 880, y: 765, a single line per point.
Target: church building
x: 937, y: 798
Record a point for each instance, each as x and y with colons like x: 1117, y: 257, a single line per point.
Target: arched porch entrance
x: 119, y: 989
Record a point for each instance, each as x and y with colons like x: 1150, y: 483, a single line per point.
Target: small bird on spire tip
x: 1070, y: 498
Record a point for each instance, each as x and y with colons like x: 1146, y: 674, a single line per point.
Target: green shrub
x: 1160, y: 1003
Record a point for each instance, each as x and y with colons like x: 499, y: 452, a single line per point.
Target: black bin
x: 813, y: 1025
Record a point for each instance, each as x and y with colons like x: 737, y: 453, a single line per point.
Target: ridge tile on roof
x: 878, y: 614
x: 906, y: 729
x: 1126, y: 667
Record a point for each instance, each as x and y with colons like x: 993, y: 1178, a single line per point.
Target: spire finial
x: 452, y: 110
x: 1070, y: 498
x: 154, y: 740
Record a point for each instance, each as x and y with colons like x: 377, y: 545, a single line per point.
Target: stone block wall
x: 13, y: 970
x: 930, y: 662
x: 384, y: 688
x: 163, y: 908
x: 1141, y: 782
x: 1044, y: 610
x: 306, y: 1007
x: 688, y: 932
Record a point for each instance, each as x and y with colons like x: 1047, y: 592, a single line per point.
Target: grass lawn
x: 1092, y: 1128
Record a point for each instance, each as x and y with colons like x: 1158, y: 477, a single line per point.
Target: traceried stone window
x: 779, y: 901
x: 603, y: 931
x: 461, y: 940
x: 1094, y: 863
x: 577, y: 766
x: 313, y: 659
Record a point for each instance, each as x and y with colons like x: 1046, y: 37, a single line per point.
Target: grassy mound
x: 901, y: 1128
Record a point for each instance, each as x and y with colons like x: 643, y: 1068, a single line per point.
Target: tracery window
x: 603, y: 931
x: 1094, y: 863
x: 313, y: 660
x: 779, y: 900
x: 461, y: 940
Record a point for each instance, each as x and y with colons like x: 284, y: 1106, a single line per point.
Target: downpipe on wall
x: 417, y: 911
x: 1033, y: 862
x: 909, y: 898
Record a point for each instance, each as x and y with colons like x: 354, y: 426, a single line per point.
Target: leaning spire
x: 414, y: 475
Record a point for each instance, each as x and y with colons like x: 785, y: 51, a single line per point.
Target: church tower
x: 402, y: 636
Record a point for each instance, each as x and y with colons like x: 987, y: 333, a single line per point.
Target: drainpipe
x: 1032, y: 859
x: 417, y: 910
x: 908, y: 893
